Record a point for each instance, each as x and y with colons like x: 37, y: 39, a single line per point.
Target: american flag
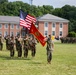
x: 26, y: 19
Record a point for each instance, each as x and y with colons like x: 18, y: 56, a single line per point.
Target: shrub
x: 72, y: 34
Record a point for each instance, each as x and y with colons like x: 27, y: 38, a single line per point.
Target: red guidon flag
x: 37, y: 34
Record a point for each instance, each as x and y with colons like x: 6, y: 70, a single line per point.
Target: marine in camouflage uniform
x: 12, y: 47
x: 16, y: 42
x: 19, y: 46
x: 6, y: 42
x: 26, y: 45
x: 1, y: 43
x: 49, y: 49
x: 32, y: 44
x: 7, y: 38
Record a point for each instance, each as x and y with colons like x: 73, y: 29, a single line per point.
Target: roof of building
x: 47, y: 17
x: 9, y: 19
x: 51, y: 18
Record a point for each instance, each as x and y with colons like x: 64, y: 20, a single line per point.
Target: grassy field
x: 63, y: 62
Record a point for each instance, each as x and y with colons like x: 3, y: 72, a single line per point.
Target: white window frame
x: 17, y: 26
x: 5, y: 26
x: 23, y: 34
x: 17, y: 33
x: 53, y: 24
x: 5, y: 33
x: 60, y: 25
x: 46, y: 24
x: 11, y: 33
x: 59, y: 33
x: 61, y: 29
x: 1, y: 26
x: 45, y: 28
x: 45, y: 33
x: 52, y: 33
x: 12, y: 26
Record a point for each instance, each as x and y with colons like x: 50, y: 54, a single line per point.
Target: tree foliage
x: 2, y: 1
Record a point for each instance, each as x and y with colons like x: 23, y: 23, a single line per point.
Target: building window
x: 53, y: 25
x: 0, y: 26
x: 23, y: 33
x: 46, y: 24
x: 17, y: 33
x: 53, y: 33
x: 6, y: 33
x: 0, y: 33
x: 46, y: 33
x: 60, y: 33
x: 12, y: 33
x: 6, y: 26
x: 12, y: 26
x: 17, y: 26
x: 61, y: 25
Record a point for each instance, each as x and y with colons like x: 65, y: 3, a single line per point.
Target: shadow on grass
x: 22, y: 58
x: 13, y: 58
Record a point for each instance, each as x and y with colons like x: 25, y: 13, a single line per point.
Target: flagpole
x: 31, y: 1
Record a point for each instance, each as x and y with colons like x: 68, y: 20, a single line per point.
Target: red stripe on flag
x: 26, y: 22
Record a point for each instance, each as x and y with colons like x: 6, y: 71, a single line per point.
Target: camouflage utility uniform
x: 26, y: 47
x: 19, y: 48
x: 16, y: 43
x: 32, y: 44
x: 12, y: 47
x: 7, y: 38
x: 1, y: 43
x: 49, y: 49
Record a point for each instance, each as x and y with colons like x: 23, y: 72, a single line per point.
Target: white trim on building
x: 17, y: 26
x: 5, y: 33
x: 53, y: 28
x: 12, y: 26
x: 45, y: 28
x: 6, y: 26
x: 60, y: 29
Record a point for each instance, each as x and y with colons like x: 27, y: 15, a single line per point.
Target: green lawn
x: 63, y: 62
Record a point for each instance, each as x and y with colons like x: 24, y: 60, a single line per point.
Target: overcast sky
x: 54, y: 3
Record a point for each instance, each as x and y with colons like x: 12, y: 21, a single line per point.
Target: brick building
x: 47, y: 24
x: 9, y: 25
x: 50, y: 24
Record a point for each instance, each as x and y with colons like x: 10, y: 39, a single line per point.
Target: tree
x: 47, y: 9
x: 72, y: 25
x: 57, y: 12
x: 2, y: 1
